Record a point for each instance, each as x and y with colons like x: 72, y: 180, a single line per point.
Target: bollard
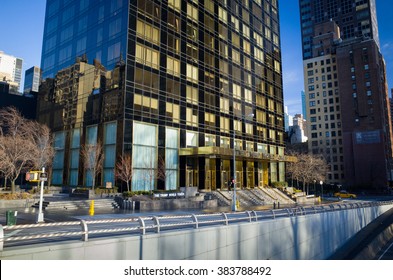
x: 274, y: 205
x: 91, y: 210
x: 278, y: 205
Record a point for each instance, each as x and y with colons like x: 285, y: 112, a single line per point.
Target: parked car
x: 344, y: 194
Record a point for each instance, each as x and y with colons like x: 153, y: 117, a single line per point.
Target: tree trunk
x: 13, y: 186
x: 128, y: 186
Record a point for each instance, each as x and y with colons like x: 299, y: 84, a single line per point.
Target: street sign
x: 44, y: 176
x: 33, y: 176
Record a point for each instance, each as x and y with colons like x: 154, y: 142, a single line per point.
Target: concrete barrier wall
x: 302, y: 237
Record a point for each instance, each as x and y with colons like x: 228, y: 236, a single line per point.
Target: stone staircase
x: 77, y: 204
x: 252, y: 197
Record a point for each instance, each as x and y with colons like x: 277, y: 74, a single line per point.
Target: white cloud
x: 294, y: 105
x: 387, y: 49
x: 292, y: 77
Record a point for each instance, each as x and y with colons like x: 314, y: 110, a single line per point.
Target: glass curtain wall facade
x: 184, y: 86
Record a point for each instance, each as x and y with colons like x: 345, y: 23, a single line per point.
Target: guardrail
x: 17, y: 235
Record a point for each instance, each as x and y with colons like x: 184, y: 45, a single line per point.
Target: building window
x: 192, y: 117
x: 144, y: 156
x: 171, y: 158
x: 191, y: 139
x: 210, y: 140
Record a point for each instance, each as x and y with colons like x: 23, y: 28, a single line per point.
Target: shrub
x: 280, y: 184
x: 134, y: 193
x: 13, y: 196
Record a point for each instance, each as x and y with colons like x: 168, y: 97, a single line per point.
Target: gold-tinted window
x: 147, y: 56
x: 173, y: 111
x: 192, y: 12
x: 192, y: 117
x: 209, y: 5
x: 210, y: 99
x: 224, y: 124
x: 145, y: 103
x: 210, y: 119
x: 173, y: 87
x: 174, y: 4
x: 223, y: 31
x: 173, y: 66
x: 173, y: 43
x: 192, y: 51
x: 222, y: 14
x: 147, y: 31
x: 224, y: 105
x: 236, y: 56
x: 209, y: 22
x: 173, y: 21
x: 192, y: 95
x: 192, y: 73
x: 149, y: 9
x: 146, y: 80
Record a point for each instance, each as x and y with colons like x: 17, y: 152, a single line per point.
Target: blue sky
x: 22, y: 27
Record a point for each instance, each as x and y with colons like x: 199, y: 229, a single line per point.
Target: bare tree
x: 16, y: 144
x: 307, y: 168
x: 124, y: 170
x: 163, y: 173
x: 93, y: 159
x: 150, y: 173
x: 44, y: 150
x: 16, y: 157
x: 161, y: 170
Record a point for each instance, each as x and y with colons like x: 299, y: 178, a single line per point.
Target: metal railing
x: 17, y: 235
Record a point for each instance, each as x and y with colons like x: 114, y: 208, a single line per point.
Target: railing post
x: 1, y: 237
x: 142, y: 225
x: 225, y: 218
x: 249, y: 216
x: 255, y: 214
x: 195, y: 220
x: 274, y: 216
x: 157, y: 224
x: 85, y: 235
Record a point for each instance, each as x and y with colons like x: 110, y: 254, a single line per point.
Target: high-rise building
x: 32, y: 80
x: 197, y: 84
x: 304, y: 107
x: 346, y: 92
x: 11, y: 71
x: 298, y: 131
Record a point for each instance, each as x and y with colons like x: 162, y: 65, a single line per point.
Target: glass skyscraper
x: 183, y: 86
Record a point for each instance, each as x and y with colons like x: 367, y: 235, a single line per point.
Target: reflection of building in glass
x: 32, y: 80
x: 11, y: 71
x: 171, y: 80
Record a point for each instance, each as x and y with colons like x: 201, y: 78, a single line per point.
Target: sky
x: 22, y: 24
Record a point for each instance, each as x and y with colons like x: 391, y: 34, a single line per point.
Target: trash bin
x: 11, y: 217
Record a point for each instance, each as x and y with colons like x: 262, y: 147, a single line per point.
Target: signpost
x: 38, y: 176
x: 43, y: 178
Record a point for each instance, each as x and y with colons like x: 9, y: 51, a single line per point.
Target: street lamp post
x: 314, y: 187
x: 321, y: 183
x: 234, y: 206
